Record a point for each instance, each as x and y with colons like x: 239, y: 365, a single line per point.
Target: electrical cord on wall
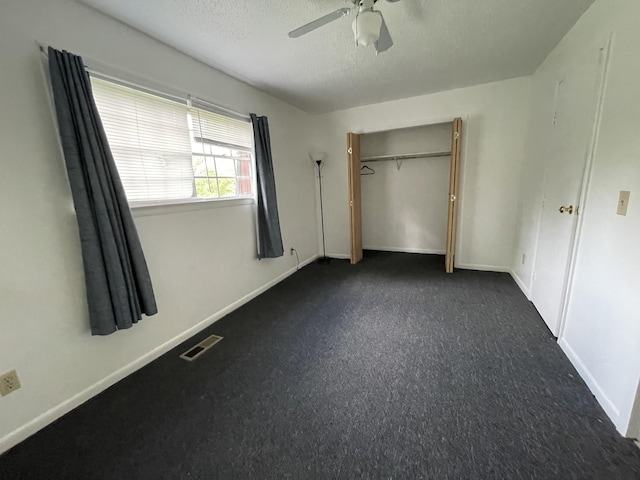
x: 293, y: 250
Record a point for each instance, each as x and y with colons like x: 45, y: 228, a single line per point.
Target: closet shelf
x: 407, y: 156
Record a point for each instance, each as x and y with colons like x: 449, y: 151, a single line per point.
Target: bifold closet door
x: 456, y: 142
x: 355, y: 201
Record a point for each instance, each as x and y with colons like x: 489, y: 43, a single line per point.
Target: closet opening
x: 403, y: 190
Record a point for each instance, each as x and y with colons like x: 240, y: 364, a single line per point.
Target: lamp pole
x: 324, y: 259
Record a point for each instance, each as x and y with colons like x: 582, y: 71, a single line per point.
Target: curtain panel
x: 118, y: 283
x: 269, y: 235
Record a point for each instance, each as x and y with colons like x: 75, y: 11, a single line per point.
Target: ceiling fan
x: 369, y: 26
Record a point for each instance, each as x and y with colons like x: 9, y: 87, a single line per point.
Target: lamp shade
x: 366, y: 27
x: 317, y: 156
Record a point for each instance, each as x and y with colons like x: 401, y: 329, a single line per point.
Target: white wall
x: 495, y: 117
x: 602, y: 330
x: 201, y: 260
x: 406, y: 209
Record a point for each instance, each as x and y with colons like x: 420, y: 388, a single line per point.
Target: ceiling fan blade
x: 298, y: 32
x: 384, y: 42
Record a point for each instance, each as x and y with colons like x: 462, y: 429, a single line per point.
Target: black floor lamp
x: 318, y: 160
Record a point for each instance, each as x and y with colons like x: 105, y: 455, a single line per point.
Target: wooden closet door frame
x: 355, y: 197
x: 454, y: 180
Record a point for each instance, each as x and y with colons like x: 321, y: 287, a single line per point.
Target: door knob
x: 568, y: 209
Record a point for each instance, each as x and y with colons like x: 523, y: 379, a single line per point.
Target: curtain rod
x: 169, y: 96
x: 406, y: 156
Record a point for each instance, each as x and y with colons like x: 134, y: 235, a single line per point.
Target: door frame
x: 355, y: 198
x: 605, y: 45
x: 413, y: 123
x: 436, y: 120
x: 454, y: 193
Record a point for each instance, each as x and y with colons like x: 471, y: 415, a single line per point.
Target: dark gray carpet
x: 387, y: 369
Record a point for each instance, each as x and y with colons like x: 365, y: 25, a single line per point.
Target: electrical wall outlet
x: 623, y: 202
x: 524, y: 257
x: 292, y: 250
x: 9, y: 382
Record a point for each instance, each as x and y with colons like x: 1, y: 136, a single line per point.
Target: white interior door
x: 568, y: 149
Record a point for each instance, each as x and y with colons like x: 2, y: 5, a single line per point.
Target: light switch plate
x: 623, y: 202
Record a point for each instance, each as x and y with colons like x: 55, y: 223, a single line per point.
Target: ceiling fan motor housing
x: 366, y: 4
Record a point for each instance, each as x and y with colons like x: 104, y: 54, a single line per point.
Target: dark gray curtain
x: 269, y: 236
x: 118, y: 284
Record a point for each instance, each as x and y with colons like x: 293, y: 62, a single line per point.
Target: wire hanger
x: 367, y: 169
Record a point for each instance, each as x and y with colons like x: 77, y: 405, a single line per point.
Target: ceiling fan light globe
x: 366, y: 28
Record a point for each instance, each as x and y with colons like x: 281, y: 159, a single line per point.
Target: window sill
x: 146, y: 210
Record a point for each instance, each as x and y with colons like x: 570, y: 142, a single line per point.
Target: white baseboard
x: 405, y: 250
x: 463, y: 266
x: 44, y: 419
x: 290, y: 272
x: 521, y: 284
x: 482, y: 268
x: 608, y: 406
x: 339, y: 256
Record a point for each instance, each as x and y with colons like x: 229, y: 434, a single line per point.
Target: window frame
x: 159, y: 206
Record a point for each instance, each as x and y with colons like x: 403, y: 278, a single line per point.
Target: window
x: 221, y: 155
x: 168, y: 151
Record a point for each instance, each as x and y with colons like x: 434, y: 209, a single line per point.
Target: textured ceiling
x: 439, y: 44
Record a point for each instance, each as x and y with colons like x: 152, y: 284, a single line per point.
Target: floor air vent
x: 200, y: 348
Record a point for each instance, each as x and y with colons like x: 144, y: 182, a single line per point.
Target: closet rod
x: 406, y: 156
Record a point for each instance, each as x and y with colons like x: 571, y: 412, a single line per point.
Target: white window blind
x: 222, y: 129
x: 150, y: 141
x: 168, y: 152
